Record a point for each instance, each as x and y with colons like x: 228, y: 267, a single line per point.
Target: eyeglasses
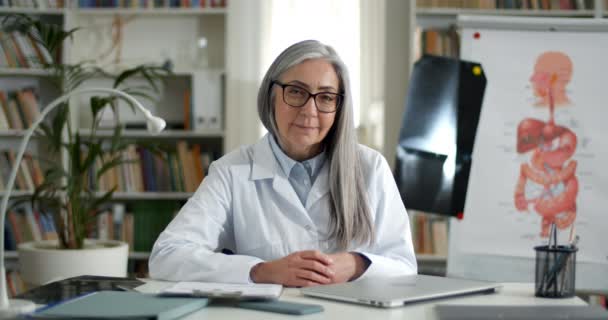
x: 295, y: 96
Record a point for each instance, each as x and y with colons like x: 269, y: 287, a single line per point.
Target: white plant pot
x: 41, y: 262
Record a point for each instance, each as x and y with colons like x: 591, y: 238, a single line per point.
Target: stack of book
x: 29, y: 174
x: 138, y: 224
x: 176, y: 170
x: 23, y: 224
x: 18, y: 109
x: 438, y: 42
x: 14, y: 283
x: 429, y: 233
x: 18, y: 50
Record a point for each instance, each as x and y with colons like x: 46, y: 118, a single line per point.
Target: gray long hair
x: 350, y: 214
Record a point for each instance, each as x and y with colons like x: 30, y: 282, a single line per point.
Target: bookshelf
x: 23, y: 72
x: 19, y: 194
x: 430, y: 238
x: 26, y: 10
x: 137, y: 196
x: 197, y: 82
x: 153, y: 11
x: 165, y: 135
x: 505, y: 12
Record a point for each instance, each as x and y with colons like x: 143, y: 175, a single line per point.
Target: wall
x: 399, y: 23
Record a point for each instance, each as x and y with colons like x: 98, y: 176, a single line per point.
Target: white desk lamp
x: 155, y: 125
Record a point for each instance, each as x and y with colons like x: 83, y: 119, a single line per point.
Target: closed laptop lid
x: 397, y: 291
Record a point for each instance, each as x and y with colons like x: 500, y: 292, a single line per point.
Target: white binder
x: 207, y: 100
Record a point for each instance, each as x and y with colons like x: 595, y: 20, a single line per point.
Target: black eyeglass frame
x: 340, y: 96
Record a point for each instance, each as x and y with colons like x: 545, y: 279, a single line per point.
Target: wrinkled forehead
x: 312, y: 71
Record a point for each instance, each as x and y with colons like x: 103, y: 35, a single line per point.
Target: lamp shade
x: 156, y: 124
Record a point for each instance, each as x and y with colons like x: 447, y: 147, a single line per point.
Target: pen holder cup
x: 555, y: 271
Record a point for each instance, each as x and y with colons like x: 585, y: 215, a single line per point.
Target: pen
x: 572, y: 233
x: 550, y: 244
x: 559, y: 265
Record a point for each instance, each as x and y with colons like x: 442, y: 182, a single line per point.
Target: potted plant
x: 65, y: 190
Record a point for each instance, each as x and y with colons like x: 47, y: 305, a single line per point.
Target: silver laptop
x: 394, y: 292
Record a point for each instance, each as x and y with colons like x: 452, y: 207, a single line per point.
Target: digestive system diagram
x: 547, y: 184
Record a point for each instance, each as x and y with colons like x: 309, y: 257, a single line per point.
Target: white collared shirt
x: 247, y: 205
x: 302, y: 174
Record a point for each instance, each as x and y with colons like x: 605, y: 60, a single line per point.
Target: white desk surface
x: 510, y: 294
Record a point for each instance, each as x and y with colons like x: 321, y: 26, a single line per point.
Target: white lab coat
x: 246, y: 204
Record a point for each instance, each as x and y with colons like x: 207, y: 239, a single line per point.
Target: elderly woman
x: 305, y: 205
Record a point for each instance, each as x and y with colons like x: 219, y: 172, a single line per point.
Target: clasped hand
x: 309, y: 268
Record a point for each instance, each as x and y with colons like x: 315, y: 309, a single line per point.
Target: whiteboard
x: 539, y: 151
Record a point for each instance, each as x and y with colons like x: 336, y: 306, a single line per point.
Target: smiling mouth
x: 305, y: 127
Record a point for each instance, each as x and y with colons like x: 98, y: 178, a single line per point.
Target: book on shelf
x: 35, y: 4
x: 150, y: 219
x: 11, y: 52
x: 14, y: 283
x: 4, y: 124
x: 35, y: 169
x: 429, y: 233
x: 28, y: 103
x: 173, y: 169
x: 12, y: 111
x: 29, y: 174
x: 437, y: 42
x: 18, y: 50
x: 105, y: 225
x: 138, y: 224
x: 5, y: 170
x: 19, y: 108
x: 33, y: 224
x: 24, y: 224
x: 113, y: 223
x: 25, y: 174
x: 26, y: 51
x: 187, y: 164
x: 207, y: 100
x: 152, y: 4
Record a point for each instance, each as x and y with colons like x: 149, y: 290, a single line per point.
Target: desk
x: 510, y: 294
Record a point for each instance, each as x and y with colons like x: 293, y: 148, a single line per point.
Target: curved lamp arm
x: 155, y: 125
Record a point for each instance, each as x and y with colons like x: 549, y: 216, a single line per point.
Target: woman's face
x: 302, y: 130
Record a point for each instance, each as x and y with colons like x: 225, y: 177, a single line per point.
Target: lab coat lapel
x: 265, y: 166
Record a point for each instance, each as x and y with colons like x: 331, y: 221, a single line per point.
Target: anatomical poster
x: 541, y: 148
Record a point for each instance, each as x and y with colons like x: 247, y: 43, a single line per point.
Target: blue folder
x: 121, y: 305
